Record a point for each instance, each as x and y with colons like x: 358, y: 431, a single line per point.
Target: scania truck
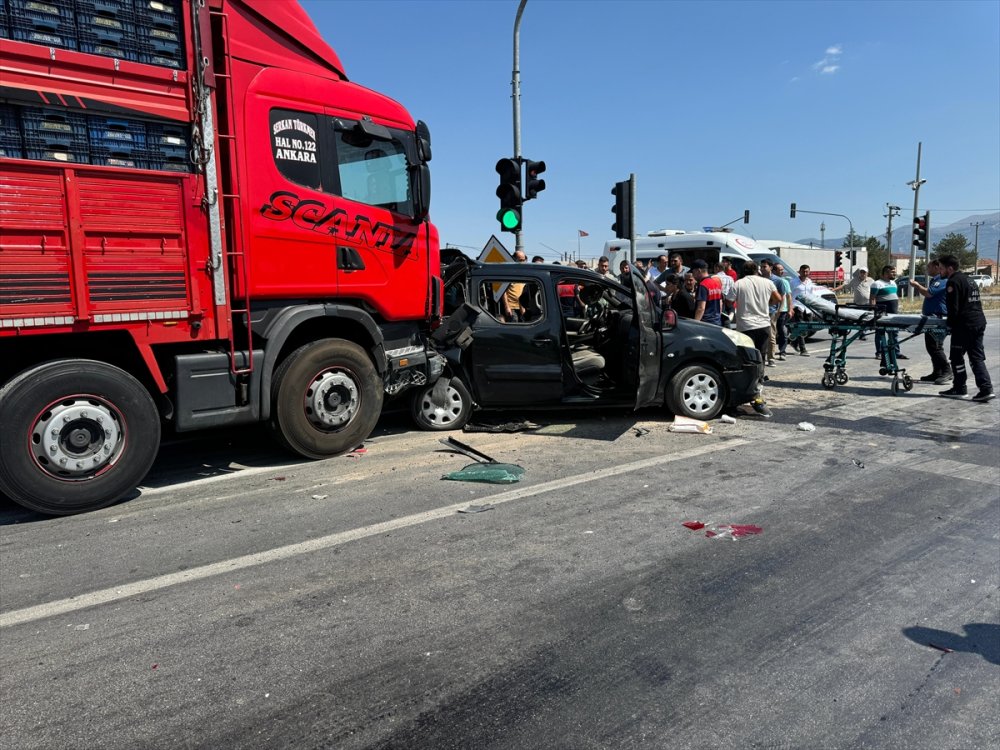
x: 203, y: 223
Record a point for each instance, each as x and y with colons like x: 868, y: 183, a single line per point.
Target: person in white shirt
x: 801, y: 285
x: 753, y: 295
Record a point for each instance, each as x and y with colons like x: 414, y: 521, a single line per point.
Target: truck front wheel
x: 75, y: 435
x: 326, y: 398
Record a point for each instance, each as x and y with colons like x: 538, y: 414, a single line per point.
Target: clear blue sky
x: 715, y: 106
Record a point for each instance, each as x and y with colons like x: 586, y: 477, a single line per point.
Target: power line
x: 957, y: 210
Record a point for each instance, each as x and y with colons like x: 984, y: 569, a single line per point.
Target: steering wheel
x: 595, y: 314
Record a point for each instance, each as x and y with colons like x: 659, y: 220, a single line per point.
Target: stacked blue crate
x: 54, y: 135
x: 168, y: 146
x: 48, y: 22
x: 117, y: 142
x: 107, y: 27
x: 11, y: 145
x: 160, y: 32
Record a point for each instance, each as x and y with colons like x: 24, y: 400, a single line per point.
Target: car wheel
x: 77, y: 435
x: 453, y: 414
x: 326, y: 398
x: 697, y: 392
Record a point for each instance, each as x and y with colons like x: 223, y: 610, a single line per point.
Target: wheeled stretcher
x: 847, y: 323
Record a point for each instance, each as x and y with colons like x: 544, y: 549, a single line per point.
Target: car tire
x: 698, y: 392
x: 78, y: 435
x: 326, y: 399
x: 455, y: 413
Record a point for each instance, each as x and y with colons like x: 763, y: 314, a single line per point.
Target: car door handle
x: 541, y: 341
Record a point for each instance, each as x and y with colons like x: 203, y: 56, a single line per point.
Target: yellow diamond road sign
x: 495, y: 252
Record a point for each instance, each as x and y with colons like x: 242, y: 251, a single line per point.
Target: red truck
x: 203, y: 223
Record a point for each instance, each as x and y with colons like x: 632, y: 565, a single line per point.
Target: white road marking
x: 95, y: 598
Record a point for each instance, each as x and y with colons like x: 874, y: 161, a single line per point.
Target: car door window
x: 512, y: 302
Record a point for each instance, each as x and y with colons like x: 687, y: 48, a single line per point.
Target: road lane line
x: 117, y: 593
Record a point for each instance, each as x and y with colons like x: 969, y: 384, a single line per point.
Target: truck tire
x: 326, y: 398
x: 453, y: 415
x: 698, y: 392
x: 75, y: 435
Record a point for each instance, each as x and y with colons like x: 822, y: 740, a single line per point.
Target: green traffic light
x: 509, y: 218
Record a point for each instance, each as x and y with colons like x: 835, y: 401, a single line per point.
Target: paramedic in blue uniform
x: 967, y: 324
x: 935, y: 307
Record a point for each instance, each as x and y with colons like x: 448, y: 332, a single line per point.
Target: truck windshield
x: 374, y: 171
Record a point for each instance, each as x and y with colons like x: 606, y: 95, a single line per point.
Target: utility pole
x: 822, y: 235
x: 515, y: 87
x: 975, y: 263
x: 917, y: 182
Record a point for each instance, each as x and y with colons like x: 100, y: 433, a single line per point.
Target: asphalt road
x: 246, y: 600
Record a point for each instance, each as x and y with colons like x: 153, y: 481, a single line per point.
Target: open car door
x: 649, y: 350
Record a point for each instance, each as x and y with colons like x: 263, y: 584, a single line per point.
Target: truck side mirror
x: 423, y: 141
x: 421, y: 175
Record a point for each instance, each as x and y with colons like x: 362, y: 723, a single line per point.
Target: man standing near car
x: 709, y: 295
x: 754, y: 294
x: 968, y: 324
x: 935, y: 306
x: 781, y: 322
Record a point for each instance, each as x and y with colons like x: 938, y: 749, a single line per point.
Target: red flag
x: 582, y: 233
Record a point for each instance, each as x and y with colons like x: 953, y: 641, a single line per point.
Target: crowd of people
x: 762, y: 305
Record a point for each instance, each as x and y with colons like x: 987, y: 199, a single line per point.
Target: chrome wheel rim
x: 332, y: 400
x: 77, y: 438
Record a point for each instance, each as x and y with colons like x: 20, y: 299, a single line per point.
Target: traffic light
x: 791, y: 213
x: 532, y: 185
x: 920, y: 228
x: 509, y: 193
x: 746, y: 216
x: 838, y: 259
x: 622, y: 210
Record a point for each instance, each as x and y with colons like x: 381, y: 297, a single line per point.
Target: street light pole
x: 515, y: 87
x: 975, y: 262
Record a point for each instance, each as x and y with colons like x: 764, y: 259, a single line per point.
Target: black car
x: 580, y: 339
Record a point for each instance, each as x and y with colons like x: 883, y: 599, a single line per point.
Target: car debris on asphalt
x: 686, y: 424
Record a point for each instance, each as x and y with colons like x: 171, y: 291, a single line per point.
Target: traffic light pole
x: 796, y: 209
x: 631, y: 217
x: 515, y: 86
x: 916, y: 202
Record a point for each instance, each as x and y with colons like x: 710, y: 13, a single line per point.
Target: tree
x: 878, y: 257
x: 955, y: 244
x: 852, y: 240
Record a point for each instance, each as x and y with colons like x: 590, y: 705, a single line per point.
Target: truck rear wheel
x: 75, y: 435
x: 326, y: 398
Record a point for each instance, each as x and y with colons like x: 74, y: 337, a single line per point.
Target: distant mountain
x: 989, y: 234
